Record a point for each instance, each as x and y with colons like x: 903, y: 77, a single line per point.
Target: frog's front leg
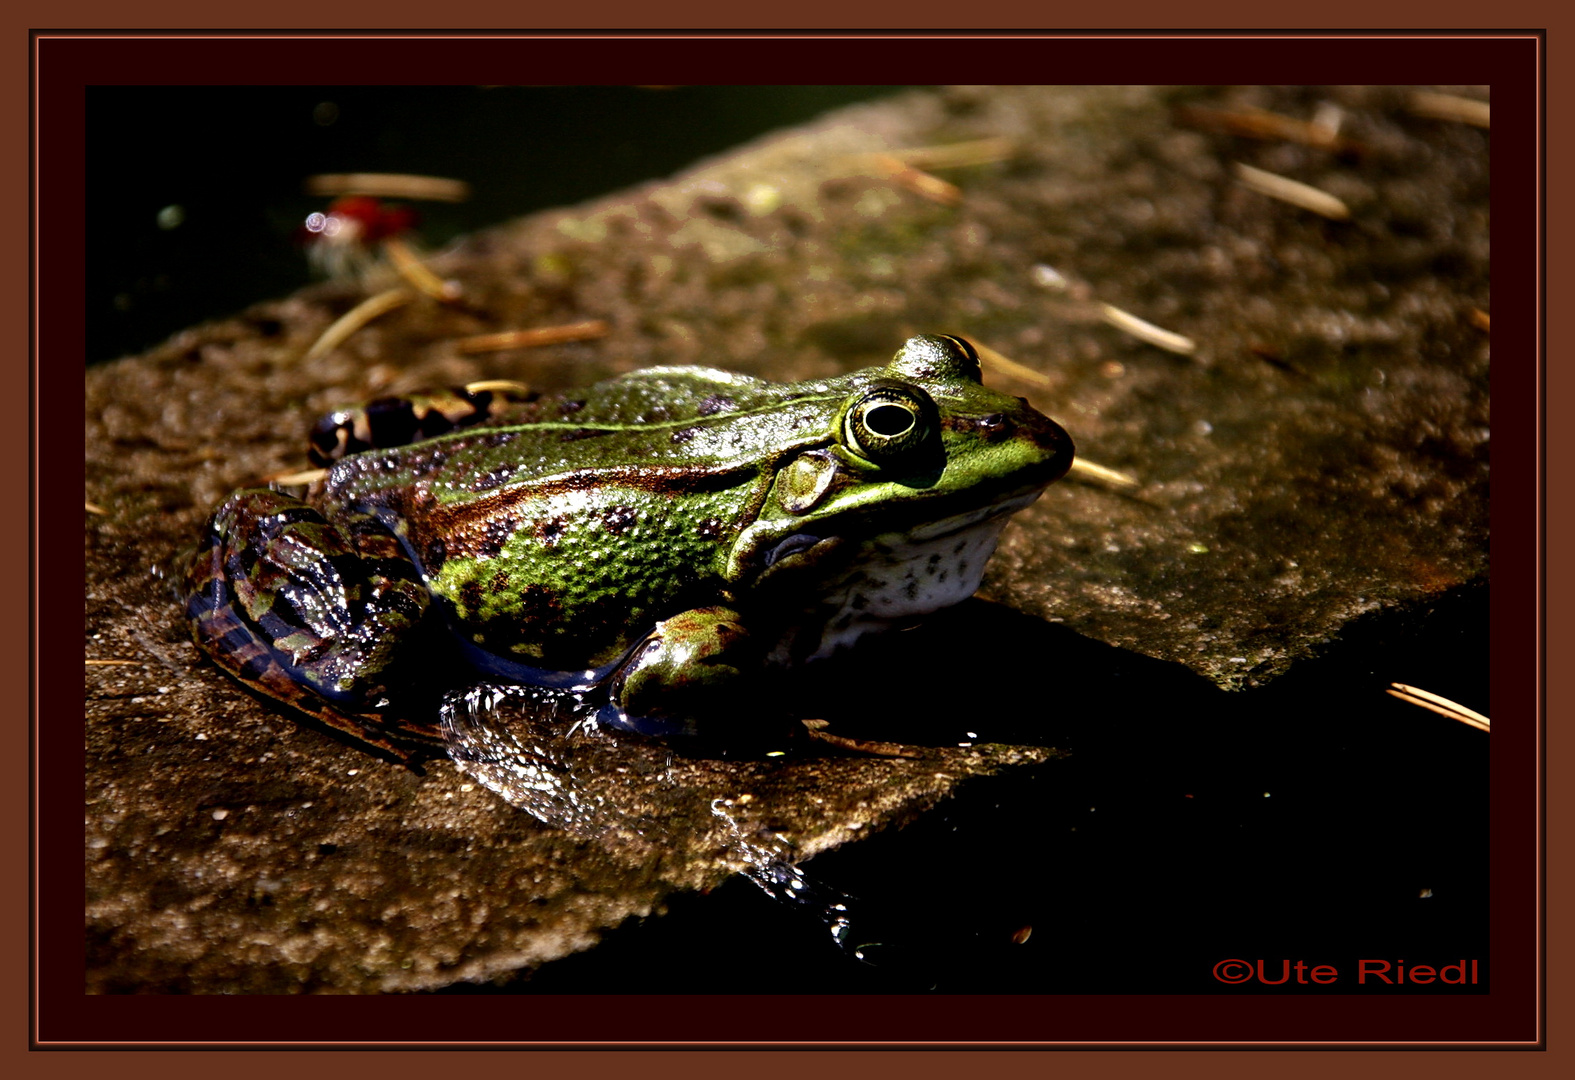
x: 686, y: 677
x: 309, y: 611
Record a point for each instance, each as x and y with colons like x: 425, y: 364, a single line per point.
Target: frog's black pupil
x: 888, y: 420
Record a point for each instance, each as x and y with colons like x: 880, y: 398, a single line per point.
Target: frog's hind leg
x: 308, y: 612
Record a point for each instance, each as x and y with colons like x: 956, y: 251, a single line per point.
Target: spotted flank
x: 400, y: 421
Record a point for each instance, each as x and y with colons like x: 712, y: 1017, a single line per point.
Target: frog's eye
x: 937, y: 356
x: 888, y: 423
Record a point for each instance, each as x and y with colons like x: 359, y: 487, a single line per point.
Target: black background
x: 234, y: 159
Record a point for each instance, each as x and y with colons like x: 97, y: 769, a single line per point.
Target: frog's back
x: 670, y: 428
x: 677, y: 394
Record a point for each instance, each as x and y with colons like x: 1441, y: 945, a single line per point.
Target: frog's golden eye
x: 890, y: 422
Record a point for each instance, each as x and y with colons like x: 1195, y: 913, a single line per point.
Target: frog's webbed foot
x: 307, y: 611
x: 383, y: 735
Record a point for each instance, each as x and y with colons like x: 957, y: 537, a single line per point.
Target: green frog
x: 652, y: 541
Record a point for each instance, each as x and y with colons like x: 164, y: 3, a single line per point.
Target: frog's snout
x: 1052, y: 441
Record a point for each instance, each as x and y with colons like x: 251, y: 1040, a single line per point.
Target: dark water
x: 1316, y: 819
x: 232, y: 161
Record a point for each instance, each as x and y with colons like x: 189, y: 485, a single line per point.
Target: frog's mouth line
x: 812, y: 547
x: 957, y: 523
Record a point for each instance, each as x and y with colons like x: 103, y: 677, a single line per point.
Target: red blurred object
x: 343, y: 241
x: 378, y: 220
x: 358, y: 219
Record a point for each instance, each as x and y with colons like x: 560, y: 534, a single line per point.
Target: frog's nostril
x: 994, y: 426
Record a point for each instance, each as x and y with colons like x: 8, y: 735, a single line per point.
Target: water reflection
x: 519, y: 742
x: 543, y: 752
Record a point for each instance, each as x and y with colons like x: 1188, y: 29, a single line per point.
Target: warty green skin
x: 704, y: 516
